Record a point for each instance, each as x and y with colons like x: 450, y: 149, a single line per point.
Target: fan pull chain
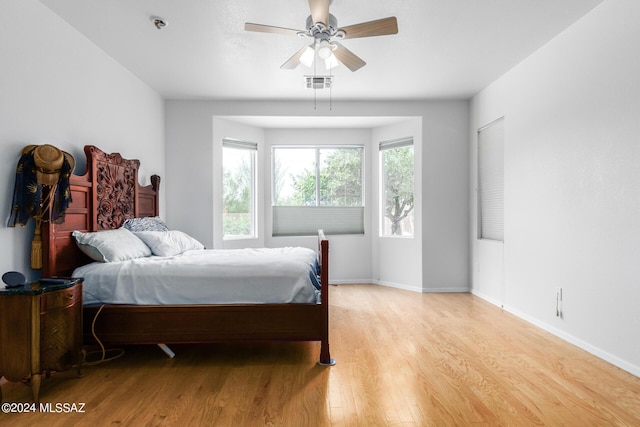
x: 331, y: 89
x: 315, y: 74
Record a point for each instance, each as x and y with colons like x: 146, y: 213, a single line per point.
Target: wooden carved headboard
x: 102, y: 199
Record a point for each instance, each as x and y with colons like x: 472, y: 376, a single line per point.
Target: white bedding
x: 274, y: 275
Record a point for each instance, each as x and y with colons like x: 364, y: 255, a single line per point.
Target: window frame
x: 252, y: 147
x: 288, y: 220
x: 382, y: 148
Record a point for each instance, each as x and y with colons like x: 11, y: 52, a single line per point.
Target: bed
x: 105, y: 197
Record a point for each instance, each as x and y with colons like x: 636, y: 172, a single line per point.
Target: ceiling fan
x: 323, y: 28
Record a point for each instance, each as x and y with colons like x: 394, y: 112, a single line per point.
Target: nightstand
x: 40, y: 330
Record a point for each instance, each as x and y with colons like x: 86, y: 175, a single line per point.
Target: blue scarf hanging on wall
x: 28, y: 192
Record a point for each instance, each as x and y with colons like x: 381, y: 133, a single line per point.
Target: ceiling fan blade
x: 348, y: 58
x: 379, y: 27
x: 270, y: 29
x: 294, y: 61
x: 319, y: 11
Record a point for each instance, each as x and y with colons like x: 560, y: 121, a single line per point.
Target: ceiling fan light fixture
x: 324, y: 49
x: 323, y: 28
x: 307, y: 57
x: 331, y: 62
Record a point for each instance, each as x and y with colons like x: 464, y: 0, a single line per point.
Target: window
x: 239, y: 188
x: 317, y: 187
x: 397, y: 201
x: 491, y: 181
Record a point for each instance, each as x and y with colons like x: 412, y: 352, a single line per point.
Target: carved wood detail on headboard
x: 102, y: 199
x: 115, y: 189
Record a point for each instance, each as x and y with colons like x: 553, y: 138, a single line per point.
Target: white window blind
x: 491, y: 181
x: 239, y: 144
x: 396, y: 143
x: 306, y: 220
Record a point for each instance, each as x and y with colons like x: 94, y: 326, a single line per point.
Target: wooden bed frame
x: 103, y: 198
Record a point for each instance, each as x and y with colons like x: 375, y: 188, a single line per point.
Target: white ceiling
x: 444, y: 48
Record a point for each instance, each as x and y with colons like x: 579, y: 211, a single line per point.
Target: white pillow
x: 169, y: 243
x: 111, y: 245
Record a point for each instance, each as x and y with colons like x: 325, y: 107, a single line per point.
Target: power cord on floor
x: 103, y: 352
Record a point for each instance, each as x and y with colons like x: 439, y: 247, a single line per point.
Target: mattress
x: 236, y: 276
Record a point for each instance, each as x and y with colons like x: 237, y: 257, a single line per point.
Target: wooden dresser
x: 40, y: 330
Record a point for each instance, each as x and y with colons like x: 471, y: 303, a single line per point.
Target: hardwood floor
x: 403, y: 358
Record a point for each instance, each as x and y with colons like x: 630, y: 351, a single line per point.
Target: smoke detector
x: 158, y: 22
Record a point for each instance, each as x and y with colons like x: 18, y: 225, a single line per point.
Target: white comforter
x: 274, y: 275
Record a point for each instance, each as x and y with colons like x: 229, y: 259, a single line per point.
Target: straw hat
x: 49, y: 160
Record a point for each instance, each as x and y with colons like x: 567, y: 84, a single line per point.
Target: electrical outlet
x: 559, y: 298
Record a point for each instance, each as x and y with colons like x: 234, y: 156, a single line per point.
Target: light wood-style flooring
x: 403, y: 358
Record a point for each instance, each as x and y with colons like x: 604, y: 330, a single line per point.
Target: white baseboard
x: 376, y: 283
x: 446, y: 290
x: 487, y: 298
x: 397, y: 285
x: 420, y: 289
x: 350, y: 282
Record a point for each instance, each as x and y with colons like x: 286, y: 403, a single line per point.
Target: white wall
x: 397, y: 261
x: 445, y: 266
x: 56, y: 87
x: 445, y: 255
x: 572, y: 185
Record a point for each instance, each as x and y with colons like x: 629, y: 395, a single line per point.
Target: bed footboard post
x: 323, y: 257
